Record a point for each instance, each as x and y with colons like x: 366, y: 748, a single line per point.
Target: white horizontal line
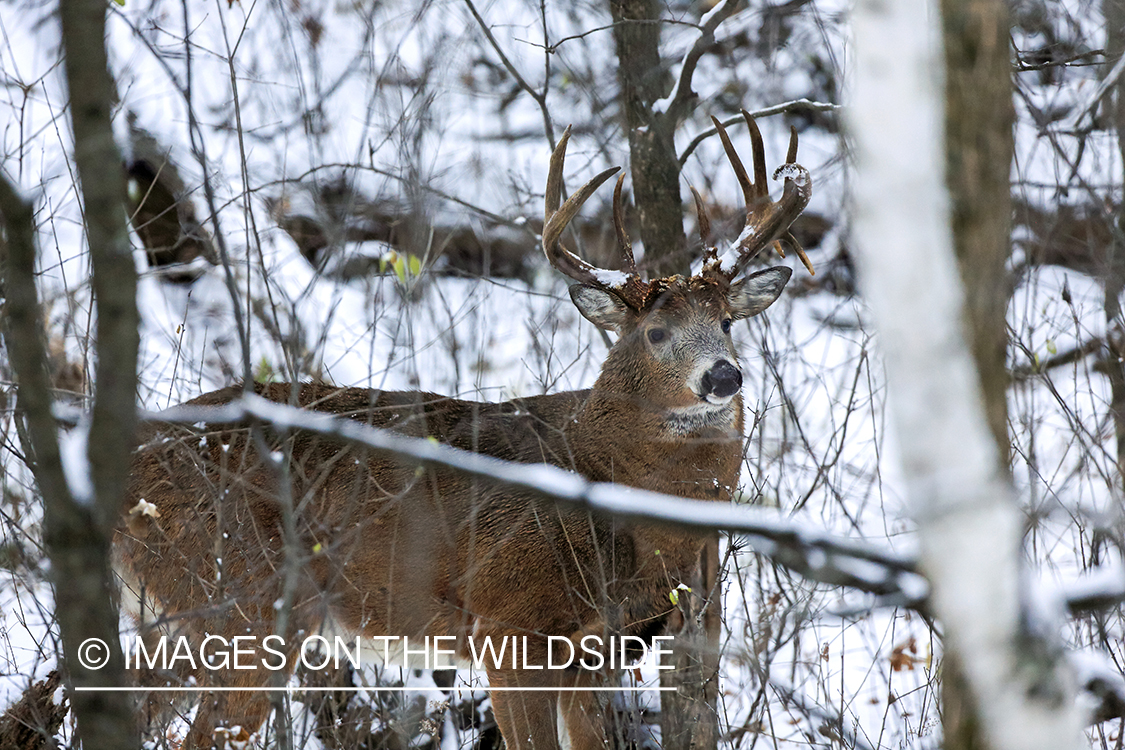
x: 220, y: 689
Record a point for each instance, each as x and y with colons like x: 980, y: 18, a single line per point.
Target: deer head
x: 675, y: 345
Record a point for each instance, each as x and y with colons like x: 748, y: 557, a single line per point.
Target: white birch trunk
x: 969, y: 525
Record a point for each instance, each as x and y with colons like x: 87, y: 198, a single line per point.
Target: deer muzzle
x: 723, y: 380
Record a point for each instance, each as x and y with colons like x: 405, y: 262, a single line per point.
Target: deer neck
x: 623, y: 438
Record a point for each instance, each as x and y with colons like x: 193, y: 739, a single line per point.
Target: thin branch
x: 25, y: 342
x: 813, y: 554
x: 1080, y: 60
x: 550, y: 49
x: 540, y: 97
x: 493, y: 217
x: 292, y: 564
x: 796, y: 105
x: 834, y: 721
x: 199, y: 150
x: 1073, y: 122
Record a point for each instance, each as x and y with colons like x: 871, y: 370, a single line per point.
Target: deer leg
x: 225, y: 719
x: 527, y: 719
x: 583, y: 712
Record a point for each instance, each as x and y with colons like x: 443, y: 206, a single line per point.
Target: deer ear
x: 754, y: 293
x: 601, y: 307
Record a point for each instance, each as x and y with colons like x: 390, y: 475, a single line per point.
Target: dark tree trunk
x: 92, y: 97
x: 77, y: 530
x: 644, y: 80
x: 978, y: 121
x: 979, y: 118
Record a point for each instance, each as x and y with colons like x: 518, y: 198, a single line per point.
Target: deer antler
x: 703, y: 220
x: 626, y: 283
x: 623, y: 241
x: 767, y: 222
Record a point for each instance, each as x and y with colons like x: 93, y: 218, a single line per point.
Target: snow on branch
x: 1100, y: 589
x: 810, y: 552
x: 1101, y: 681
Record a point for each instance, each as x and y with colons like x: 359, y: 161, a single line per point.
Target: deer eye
x: 726, y: 325
x: 656, y: 335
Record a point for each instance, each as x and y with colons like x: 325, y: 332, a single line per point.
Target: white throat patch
x: 718, y: 414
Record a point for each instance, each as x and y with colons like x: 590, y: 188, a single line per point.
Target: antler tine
x: 791, y: 158
x: 629, y: 264
x: 557, y: 217
x: 561, y: 258
x: 758, y: 152
x: 800, y: 253
x: 748, y: 191
x: 553, y: 194
x: 703, y: 218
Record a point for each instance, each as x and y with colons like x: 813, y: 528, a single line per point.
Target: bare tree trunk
x: 656, y: 170
x: 969, y: 526
x: 978, y: 149
x: 960, y: 721
x: 77, y: 529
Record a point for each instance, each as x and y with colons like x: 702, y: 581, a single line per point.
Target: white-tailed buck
x: 387, y: 548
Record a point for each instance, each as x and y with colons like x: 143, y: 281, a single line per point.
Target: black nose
x: 723, y: 379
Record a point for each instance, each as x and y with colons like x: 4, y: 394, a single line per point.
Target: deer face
x: 675, y: 352
x: 678, y: 350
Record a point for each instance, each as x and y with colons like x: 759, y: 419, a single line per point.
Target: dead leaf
x: 900, y: 659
